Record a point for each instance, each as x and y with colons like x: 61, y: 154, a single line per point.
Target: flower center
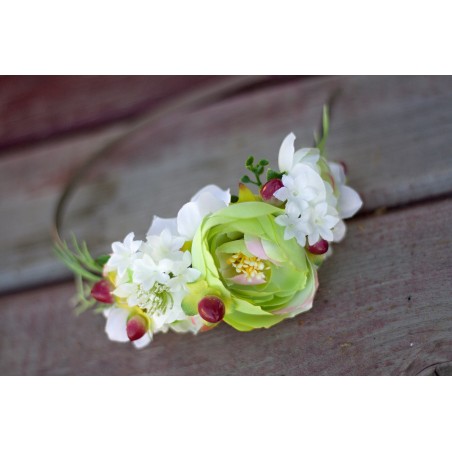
x: 251, y: 267
x: 157, y: 300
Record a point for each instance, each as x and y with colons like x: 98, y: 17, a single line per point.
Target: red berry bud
x: 101, y: 291
x: 211, y: 309
x: 268, y: 190
x: 136, y: 327
x: 321, y: 247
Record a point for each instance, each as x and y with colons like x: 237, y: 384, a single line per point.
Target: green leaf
x: 249, y: 161
x: 102, y: 260
x: 246, y: 180
x: 325, y: 130
x: 264, y: 162
x: 196, y: 292
x: 79, y: 261
x: 70, y: 260
x: 245, y: 210
x: 246, y: 317
x: 272, y: 174
x: 234, y: 246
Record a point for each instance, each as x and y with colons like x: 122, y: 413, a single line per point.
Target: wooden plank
x: 384, y: 307
x: 38, y: 107
x: 394, y: 134
x: 29, y: 188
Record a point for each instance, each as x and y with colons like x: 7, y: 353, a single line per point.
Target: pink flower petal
x: 254, y: 246
x: 244, y: 281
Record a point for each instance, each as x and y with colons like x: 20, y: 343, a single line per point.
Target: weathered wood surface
x: 384, y: 307
x: 394, y: 133
x: 34, y: 108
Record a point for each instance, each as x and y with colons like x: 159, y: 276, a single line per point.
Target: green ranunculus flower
x: 244, y: 259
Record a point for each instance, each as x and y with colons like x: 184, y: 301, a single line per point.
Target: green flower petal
x: 289, y: 281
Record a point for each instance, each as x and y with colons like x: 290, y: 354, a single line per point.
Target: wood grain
x: 394, y: 133
x: 34, y: 108
x: 384, y: 307
x: 38, y: 107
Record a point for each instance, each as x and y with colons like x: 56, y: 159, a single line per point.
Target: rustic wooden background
x: 385, y: 300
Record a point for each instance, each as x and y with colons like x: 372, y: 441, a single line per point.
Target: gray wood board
x: 394, y: 133
x: 384, y: 307
x: 39, y: 107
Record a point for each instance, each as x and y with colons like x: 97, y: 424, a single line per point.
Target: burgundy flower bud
x: 101, y: 291
x: 321, y: 247
x: 268, y: 190
x: 136, y: 327
x: 211, y: 309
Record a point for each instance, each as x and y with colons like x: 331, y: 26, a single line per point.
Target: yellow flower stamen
x: 251, y: 267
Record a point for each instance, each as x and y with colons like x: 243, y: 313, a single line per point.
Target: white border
x: 234, y: 37
x: 224, y: 413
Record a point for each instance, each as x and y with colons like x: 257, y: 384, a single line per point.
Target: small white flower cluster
x: 152, y: 274
x: 313, y: 211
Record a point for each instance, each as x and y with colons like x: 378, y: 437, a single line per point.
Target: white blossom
x: 207, y: 200
x: 124, y: 254
x: 116, y: 327
x: 295, y: 225
x: 288, y: 158
x: 158, y: 278
x: 163, y: 246
x: 311, y: 205
x: 349, y: 201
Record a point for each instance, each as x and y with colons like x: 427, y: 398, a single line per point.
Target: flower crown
x: 249, y: 260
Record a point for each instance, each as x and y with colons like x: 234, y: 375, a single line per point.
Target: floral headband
x: 249, y: 260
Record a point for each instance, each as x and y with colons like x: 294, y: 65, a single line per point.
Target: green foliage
x: 80, y: 260
x: 102, y: 260
x: 86, y: 269
x: 272, y: 174
x: 83, y: 301
x: 320, y: 143
x: 257, y: 170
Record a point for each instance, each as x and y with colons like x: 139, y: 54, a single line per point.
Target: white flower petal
x: 131, y: 244
x: 192, y: 274
x: 189, y: 324
x: 159, y: 224
x: 301, y: 239
x: 216, y: 192
x: 208, y: 203
x: 124, y: 290
x: 339, y: 231
x: 116, y: 325
x: 123, y: 255
x: 326, y: 234
x: 314, y: 237
x: 286, y: 152
x: 338, y: 173
x: 307, y: 156
x: 191, y: 214
x: 282, y: 193
x: 143, y: 341
x: 349, y: 202
x: 128, y: 241
x: 188, y: 220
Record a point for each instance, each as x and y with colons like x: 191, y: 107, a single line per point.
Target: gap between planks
x: 393, y: 132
